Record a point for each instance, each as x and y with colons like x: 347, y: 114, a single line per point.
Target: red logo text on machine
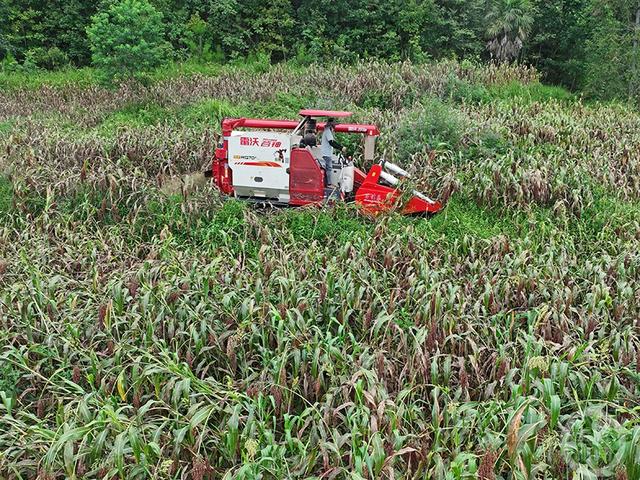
x: 257, y: 142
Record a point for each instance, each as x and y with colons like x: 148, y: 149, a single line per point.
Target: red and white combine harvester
x: 278, y: 162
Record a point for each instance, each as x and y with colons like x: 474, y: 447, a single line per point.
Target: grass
x: 524, y: 93
x: 338, y: 225
x: 609, y: 217
x: 201, y: 114
x: 78, y: 77
x: 462, y: 217
x: 86, y: 77
x: 535, y: 92
x: 6, y: 195
x: 136, y: 115
x: 6, y: 127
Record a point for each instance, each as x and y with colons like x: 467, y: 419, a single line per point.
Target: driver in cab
x: 327, y: 144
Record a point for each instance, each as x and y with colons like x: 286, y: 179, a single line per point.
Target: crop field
x: 151, y: 329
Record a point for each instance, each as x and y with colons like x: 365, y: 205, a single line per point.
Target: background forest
x: 586, y: 45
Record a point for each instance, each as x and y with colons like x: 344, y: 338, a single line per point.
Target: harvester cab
x: 279, y: 162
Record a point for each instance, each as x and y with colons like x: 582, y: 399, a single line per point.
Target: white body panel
x: 346, y: 182
x: 258, y: 170
x: 259, y: 161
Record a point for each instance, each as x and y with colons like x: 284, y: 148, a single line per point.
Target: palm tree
x: 508, y: 25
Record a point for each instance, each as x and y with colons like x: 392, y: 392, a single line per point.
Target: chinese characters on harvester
x: 256, y: 142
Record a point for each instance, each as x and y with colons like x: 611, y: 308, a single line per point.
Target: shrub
x: 464, y: 91
x: 434, y: 126
x: 50, y: 58
x: 127, y: 40
x: 9, y: 63
x: 198, y: 41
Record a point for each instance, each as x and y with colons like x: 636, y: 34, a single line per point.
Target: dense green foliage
x: 582, y: 44
x: 151, y: 329
x: 128, y: 40
x: 508, y: 26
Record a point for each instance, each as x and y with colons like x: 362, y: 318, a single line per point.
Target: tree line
x: 588, y: 45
